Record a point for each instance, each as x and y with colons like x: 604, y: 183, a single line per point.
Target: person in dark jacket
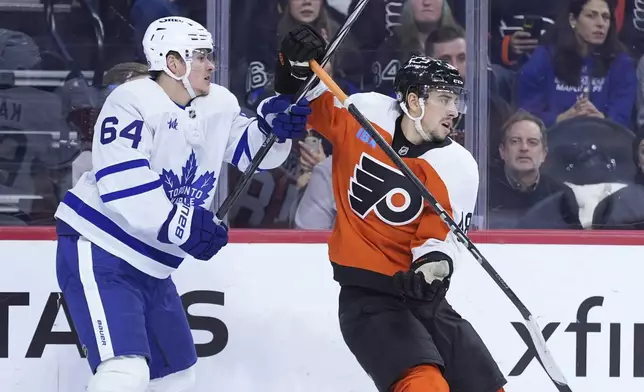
x: 581, y: 70
x: 519, y: 184
x: 448, y: 43
x: 617, y: 204
x: 638, y: 156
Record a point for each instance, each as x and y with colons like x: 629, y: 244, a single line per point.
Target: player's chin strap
x: 417, y: 124
x: 183, y: 79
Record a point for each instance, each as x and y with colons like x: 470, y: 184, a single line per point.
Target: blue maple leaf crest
x: 187, y: 189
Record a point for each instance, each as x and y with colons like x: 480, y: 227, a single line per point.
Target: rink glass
x: 54, y: 81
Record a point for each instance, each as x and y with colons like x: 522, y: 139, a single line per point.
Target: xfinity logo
x: 580, y: 329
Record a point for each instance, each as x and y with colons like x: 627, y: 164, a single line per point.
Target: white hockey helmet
x: 175, y: 34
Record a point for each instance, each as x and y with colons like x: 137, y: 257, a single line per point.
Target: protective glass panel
x: 55, y: 73
x: 568, y: 154
x: 585, y: 170
x: 382, y: 39
x: 453, y: 99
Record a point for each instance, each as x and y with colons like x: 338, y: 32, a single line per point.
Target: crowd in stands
x: 565, y: 128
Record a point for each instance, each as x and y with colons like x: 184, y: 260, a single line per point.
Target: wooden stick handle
x: 328, y: 81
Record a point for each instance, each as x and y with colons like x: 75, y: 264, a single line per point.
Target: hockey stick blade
x: 539, y: 341
x: 269, y: 141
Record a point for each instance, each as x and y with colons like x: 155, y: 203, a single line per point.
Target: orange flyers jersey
x: 382, y: 222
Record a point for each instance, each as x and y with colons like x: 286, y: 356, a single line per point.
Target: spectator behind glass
x: 419, y: 18
x: 517, y: 26
x: 638, y: 157
x: 376, y: 23
x: 83, y: 119
x: 345, y: 61
x: 259, y: 77
x: 311, y: 12
x: 272, y: 198
x: 448, y: 43
x: 380, y: 17
x: 582, y: 70
x: 29, y: 119
x: 317, y: 209
x: 640, y: 92
x: 518, y: 184
x: 614, y: 205
x: 630, y: 25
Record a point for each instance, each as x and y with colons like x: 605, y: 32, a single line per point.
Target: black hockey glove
x: 298, y: 47
x: 428, y: 278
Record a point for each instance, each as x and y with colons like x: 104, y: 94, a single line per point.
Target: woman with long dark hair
x: 582, y: 69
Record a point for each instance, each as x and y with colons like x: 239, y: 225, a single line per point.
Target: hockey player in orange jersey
x: 391, y: 253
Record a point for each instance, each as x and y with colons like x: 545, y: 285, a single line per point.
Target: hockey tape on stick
x: 539, y: 341
x: 269, y: 141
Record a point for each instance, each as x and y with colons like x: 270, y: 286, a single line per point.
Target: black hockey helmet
x: 420, y: 74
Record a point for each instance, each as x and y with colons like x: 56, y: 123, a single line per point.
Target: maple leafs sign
x: 186, y: 189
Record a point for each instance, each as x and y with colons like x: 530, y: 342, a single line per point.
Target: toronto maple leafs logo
x: 187, y: 190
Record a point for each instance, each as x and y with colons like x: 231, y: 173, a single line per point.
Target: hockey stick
x: 269, y: 141
x: 546, y: 357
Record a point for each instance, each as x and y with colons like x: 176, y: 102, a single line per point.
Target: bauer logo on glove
x: 195, y: 230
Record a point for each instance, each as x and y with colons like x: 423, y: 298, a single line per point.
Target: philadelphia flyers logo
x: 385, y: 191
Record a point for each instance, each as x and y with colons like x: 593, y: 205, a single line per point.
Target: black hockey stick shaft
x: 539, y: 341
x: 269, y: 141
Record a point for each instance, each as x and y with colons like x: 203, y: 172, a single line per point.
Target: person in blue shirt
x: 582, y: 69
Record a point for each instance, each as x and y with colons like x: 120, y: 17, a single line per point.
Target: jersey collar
x: 406, y: 149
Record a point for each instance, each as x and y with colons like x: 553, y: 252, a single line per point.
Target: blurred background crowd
x: 560, y: 142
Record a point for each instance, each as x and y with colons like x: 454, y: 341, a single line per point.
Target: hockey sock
x: 423, y: 378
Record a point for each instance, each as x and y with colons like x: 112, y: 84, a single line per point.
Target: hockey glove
x: 286, y: 121
x: 428, y: 278
x: 300, y: 45
x: 194, y: 230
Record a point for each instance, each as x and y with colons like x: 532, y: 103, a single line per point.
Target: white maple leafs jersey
x: 149, y: 153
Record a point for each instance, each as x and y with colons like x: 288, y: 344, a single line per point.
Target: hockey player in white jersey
x: 159, y: 145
